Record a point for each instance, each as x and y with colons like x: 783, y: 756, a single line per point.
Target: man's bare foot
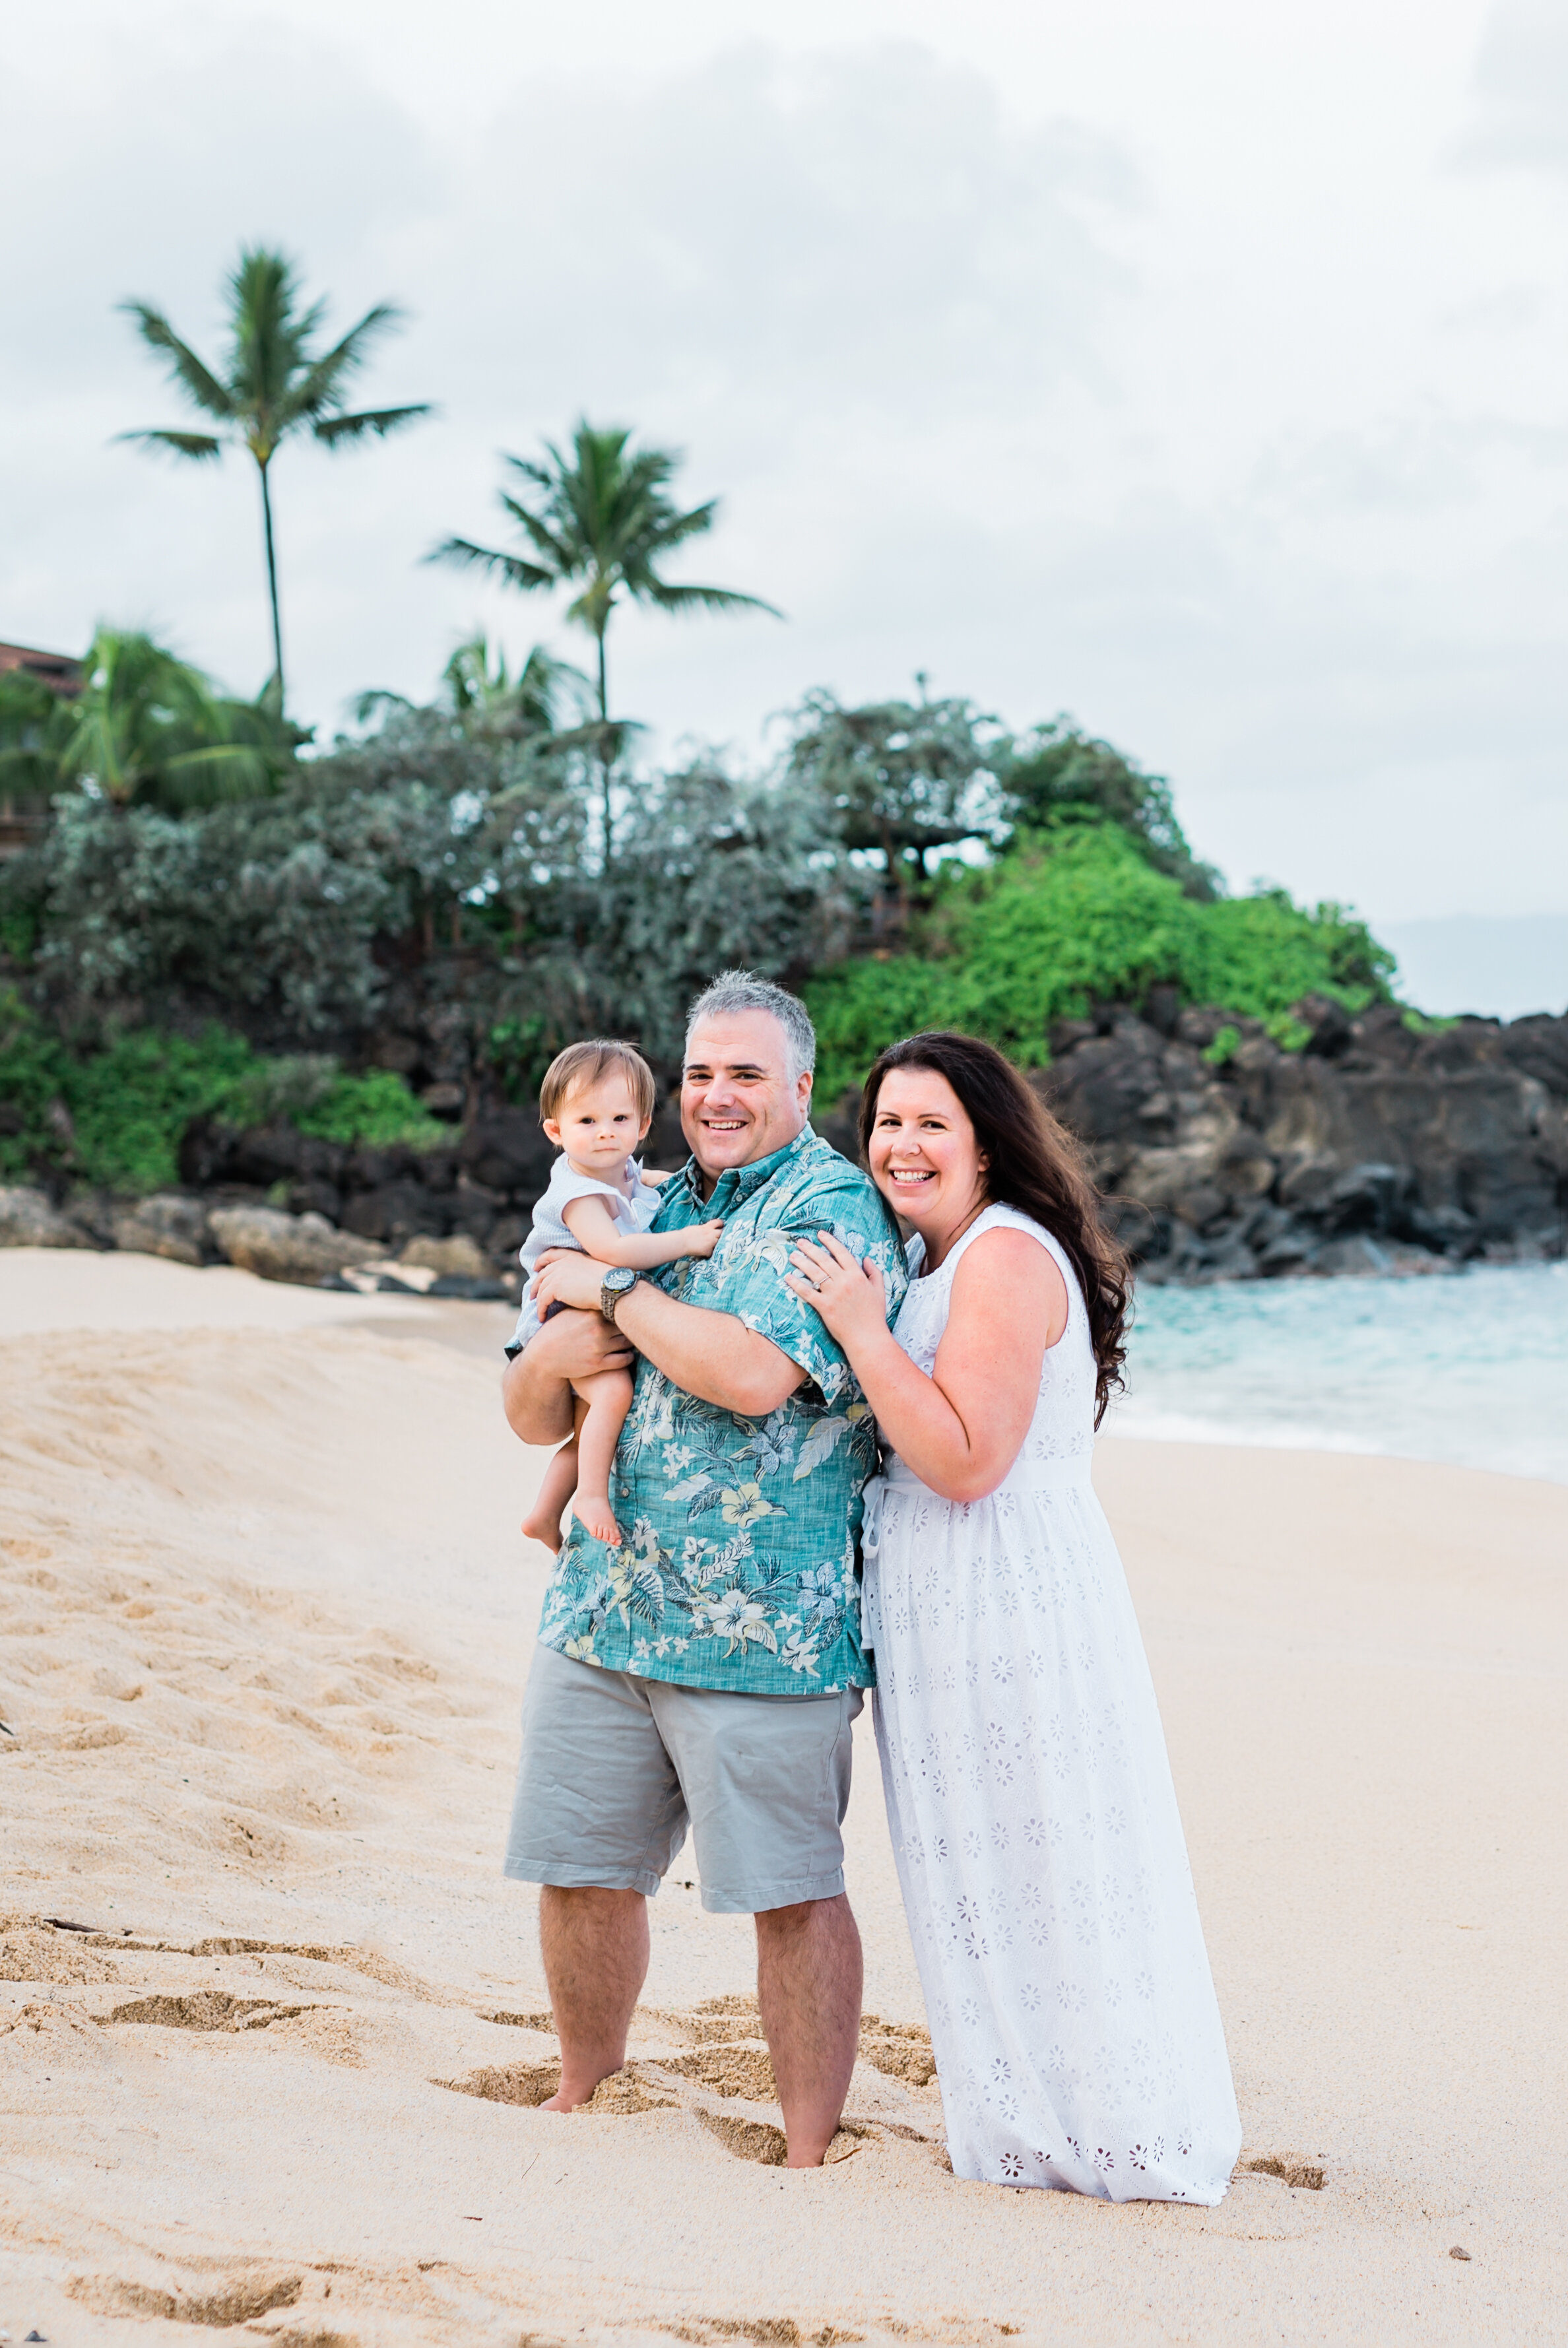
x: 573, y: 2093
x: 595, y: 1514
x: 541, y: 1526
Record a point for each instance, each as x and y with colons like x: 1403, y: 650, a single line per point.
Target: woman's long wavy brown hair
x: 1035, y: 1166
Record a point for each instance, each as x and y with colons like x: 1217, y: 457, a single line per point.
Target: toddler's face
x: 599, y: 1126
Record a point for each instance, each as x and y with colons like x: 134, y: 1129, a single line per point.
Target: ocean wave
x: 1473, y: 1371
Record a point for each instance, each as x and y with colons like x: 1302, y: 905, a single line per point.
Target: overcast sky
x: 1199, y: 370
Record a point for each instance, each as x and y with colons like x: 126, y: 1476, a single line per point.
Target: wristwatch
x: 613, y: 1286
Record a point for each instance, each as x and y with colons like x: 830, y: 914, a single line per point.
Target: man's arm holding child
x: 596, y: 1230
x: 713, y: 1355
x: 536, y: 1389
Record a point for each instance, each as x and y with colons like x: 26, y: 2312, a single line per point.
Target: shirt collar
x: 738, y: 1183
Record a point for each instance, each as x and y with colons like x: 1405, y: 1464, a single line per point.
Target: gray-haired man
x: 709, y: 1670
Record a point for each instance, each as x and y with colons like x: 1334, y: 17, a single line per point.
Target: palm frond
x: 193, y: 374
x: 671, y: 529
x: 510, y: 567
x: 271, y: 339
x: 647, y: 471
x: 379, y: 700
x: 542, y: 476
x: 699, y: 599
x: 556, y: 549
x: 218, y: 771
x: 379, y: 421
x: 185, y: 444
x: 318, y: 386
x: 544, y: 677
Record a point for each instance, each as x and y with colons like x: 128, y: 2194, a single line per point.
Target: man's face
x: 738, y: 1101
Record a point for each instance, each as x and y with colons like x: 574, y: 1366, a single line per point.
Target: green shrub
x: 375, y: 1111
x: 310, y: 1092
x: 127, y: 1105
x: 1418, y: 1022
x: 1259, y: 954
x: 130, y: 1103
x: 1076, y: 917
x: 33, y: 1073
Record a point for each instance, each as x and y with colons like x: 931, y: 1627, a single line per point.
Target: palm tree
x: 274, y: 385
x: 486, y: 698
x: 148, y: 730
x: 480, y: 696
x: 600, y: 520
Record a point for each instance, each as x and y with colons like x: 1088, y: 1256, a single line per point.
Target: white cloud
x: 1521, y: 114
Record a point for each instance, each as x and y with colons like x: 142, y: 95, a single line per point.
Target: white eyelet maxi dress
x: 1039, y: 1848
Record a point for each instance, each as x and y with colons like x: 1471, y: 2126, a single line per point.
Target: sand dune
x: 272, y: 2030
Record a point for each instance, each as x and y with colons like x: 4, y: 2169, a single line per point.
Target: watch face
x: 618, y: 1280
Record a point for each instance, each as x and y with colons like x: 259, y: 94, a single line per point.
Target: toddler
x: 595, y: 1104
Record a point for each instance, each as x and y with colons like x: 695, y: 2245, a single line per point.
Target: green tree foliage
x: 422, y: 856
x: 1059, y: 772
x: 1071, y: 919
x: 709, y: 872
x: 274, y: 382
x: 443, y: 862
x: 274, y: 908
x: 34, y: 1070
x: 28, y: 768
x: 898, y: 779
x: 599, y: 520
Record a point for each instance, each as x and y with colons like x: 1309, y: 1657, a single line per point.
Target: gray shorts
x: 613, y: 1767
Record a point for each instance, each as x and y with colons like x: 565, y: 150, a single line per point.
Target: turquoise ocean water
x: 1471, y: 1369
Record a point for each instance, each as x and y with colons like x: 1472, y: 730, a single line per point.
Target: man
x: 710, y: 1669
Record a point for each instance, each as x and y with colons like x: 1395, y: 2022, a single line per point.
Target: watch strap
x: 609, y: 1298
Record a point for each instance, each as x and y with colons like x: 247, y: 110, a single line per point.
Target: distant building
x: 21, y: 824
x: 61, y: 670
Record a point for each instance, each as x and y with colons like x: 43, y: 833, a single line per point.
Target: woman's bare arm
x: 960, y: 1429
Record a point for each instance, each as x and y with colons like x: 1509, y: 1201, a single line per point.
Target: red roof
x: 62, y: 670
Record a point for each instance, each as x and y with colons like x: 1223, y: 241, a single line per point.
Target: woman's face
x: 924, y: 1158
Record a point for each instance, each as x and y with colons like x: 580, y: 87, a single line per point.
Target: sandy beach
x: 271, y: 2026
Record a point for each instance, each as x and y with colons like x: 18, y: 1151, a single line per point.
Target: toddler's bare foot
x: 541, y: 1526
x: 595, y: 1514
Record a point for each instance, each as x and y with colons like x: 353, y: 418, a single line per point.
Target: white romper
x: 632, y: 1209
x: 1039, y: 1847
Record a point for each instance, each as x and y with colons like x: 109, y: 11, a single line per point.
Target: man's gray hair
x: 742, y: 990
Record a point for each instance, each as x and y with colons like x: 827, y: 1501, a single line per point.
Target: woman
x: 1039, y: 1847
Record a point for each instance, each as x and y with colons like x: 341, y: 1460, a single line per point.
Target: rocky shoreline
x: 1385, y: 1145
x: 1388, y: 1144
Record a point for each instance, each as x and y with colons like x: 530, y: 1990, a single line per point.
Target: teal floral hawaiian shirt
x: 738, y: 1566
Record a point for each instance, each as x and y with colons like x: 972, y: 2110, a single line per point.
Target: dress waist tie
x: 872, y: 1498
